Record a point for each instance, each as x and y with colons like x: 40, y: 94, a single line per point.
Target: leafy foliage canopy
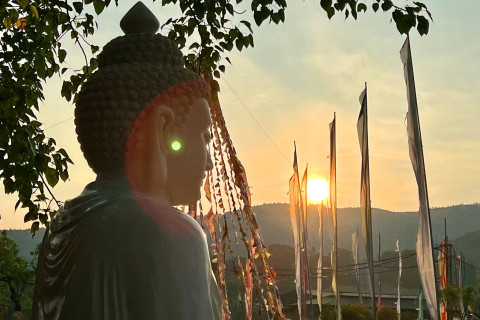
x: 31, y: 33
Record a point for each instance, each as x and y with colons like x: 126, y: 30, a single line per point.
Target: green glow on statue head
x: 176, y: 145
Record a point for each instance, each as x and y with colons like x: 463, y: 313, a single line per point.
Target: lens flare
x: 176, y: 145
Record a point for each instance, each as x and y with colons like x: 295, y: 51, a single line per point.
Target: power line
x: 58, y: 123
x: 258, y: 123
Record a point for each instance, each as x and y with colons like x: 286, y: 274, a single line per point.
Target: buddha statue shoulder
x: 120, y: 250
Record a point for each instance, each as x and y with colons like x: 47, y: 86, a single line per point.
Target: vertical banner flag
x: 442, y: 269
x: 355, y: 261
x: 399, y: 310
x: 333, y: 205
x: 320, y: 259
x: 460, y: 280
x: 305, y: 268
x: 296, y: 217
x: 426, y: 266
x: 379, y: 303
x: 362, y: 130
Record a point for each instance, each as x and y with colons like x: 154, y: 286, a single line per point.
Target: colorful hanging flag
x: 304, y: 235
x: 362, y: 130
x: 424, y: 247
x: 296, y: 217
x: 355, y: 261
x: 333, y: 205
x: 399, y: 310
x: 442, y: 269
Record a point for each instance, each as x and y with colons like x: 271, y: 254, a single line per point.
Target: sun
x: 317, y: 190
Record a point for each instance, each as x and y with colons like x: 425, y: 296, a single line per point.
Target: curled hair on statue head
x: 127, y: 82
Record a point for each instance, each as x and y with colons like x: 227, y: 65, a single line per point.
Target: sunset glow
x: 317, y: 190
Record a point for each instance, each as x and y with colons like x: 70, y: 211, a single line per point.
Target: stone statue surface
x: 120, y: 250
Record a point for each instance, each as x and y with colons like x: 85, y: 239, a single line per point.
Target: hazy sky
x: 303, y: 71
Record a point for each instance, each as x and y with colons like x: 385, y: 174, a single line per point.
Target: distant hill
x: 25, y: 242
x: 463, y: 226
x: 468, y: 245
x: 276, y: 227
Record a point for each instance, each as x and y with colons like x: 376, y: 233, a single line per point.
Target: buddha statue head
x: 143, y: 117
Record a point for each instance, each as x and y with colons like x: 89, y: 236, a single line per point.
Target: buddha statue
x: 120, y: 250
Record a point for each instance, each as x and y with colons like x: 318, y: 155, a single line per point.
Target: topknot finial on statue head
x: 139, y: 19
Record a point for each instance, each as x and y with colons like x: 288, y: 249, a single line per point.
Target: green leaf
x: 99, y: 5
x: 35, y: 227
x: 61, y: 55
x: 257, y: 16
x: 326, y: 4
x: 375, y: 6
x: 330, y: 12
x: 78, y: 7
x: 275, y: 18
x: 419, y: 4
x: 7, y: 22
x: 422, y: 25
x: 239, y: 44
x: 361, y: 7
x: 402, y: 21
x: 22, y: 3
x: 64, y: 175
x: 387, y: 5
x: 34, y: 11
x: 52, y: 176
x: 67, y: 90
x: 94, y: 48
x: 247, y: 24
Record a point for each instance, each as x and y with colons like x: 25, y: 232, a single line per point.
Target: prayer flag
x: 303, y: 225
x: 442, y: 268
x: 333, y: 205
x: 296, y: 218
x: 320, y: 259
x: 355, y: 261
x: 399, y: 310
x: 362, y: 130
x: 426, y: 266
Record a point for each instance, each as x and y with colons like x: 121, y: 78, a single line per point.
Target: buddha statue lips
x: 120, y: 250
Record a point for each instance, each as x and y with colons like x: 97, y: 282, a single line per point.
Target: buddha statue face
x: 189, y: 159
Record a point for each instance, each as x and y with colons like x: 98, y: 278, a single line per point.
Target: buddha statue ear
x: 146, y: 163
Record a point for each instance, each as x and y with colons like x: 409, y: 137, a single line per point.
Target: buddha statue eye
x: 207, y: 136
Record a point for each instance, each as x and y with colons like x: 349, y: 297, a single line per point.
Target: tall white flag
x: 320, y: 259
x: 296, y: 216
x: 355, y: 261
x: 426, y: 266
x: 333, y: 205
x: 362, y: 130
x: 399, y: 310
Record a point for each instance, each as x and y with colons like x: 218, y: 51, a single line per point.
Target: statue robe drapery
x: 111, y: 254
